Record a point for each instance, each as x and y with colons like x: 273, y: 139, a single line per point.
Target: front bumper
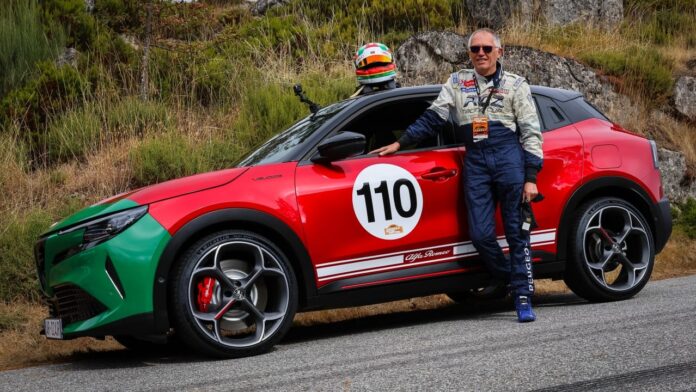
x: 107, y: 289
x: 663, y: 224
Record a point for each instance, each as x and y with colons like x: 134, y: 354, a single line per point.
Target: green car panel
x: 134, y: 254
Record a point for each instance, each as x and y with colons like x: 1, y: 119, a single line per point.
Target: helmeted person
x: 374, y: 68
x: 498, y: 118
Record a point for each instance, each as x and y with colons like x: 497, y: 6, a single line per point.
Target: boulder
x: 68, y: 57
x: 600, y: 13
x: 675, y: 181
x: 259, y: 7
x: 427, y: 58
x: 685, y: 97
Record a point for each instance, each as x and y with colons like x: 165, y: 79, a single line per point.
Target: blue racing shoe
x: 523, y: 305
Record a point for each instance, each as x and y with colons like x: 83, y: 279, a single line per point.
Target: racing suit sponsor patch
x: 480, y: 128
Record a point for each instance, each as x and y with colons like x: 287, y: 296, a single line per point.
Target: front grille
x: 40, y: 258
x: 72, y: 304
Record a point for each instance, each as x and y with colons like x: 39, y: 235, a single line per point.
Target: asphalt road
x: 646, y: 343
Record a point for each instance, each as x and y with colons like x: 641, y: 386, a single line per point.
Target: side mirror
x: 340, y: 146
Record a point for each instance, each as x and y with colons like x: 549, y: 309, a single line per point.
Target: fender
x: 611, y: 186
x: 242, y: 218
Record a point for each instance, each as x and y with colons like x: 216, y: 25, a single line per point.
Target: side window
x: 384, y: 124
x: 550, y: 113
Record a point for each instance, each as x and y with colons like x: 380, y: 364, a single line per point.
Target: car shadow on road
x: 127, y: 359
x: 473, y: 310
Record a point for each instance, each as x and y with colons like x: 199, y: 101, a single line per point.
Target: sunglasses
x: 486, y: 49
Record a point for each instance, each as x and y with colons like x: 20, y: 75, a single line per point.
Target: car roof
x: 558, y: 94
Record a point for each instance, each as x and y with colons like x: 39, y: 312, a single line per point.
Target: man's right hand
x: 388, y: 149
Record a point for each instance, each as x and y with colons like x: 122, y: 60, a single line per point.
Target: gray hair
x: 496, y: 38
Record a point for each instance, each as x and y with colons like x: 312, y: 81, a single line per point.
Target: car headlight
x: 101, y: 229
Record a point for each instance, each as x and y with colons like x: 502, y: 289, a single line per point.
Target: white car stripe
x: 379, y: 262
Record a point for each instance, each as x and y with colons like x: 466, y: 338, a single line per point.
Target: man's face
x: 484, y: 63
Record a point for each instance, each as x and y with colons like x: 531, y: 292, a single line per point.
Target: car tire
x: 249, y: 306
x: 611, y: 253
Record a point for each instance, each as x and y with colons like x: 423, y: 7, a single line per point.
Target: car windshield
x: 283, y: 146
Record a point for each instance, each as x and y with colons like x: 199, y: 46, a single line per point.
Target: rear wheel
x: 611, y: 253
x: 234, y: 294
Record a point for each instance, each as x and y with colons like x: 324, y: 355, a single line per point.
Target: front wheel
x: 234, y: 294
x: 611, y: 253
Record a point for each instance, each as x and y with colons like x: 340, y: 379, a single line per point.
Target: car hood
x: 150, y: 194
x: 182, y: 186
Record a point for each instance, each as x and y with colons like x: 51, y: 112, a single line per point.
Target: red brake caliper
x: 205, y: 293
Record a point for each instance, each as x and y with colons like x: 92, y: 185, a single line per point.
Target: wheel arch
x: 612, y: 186
x: 232, y: 218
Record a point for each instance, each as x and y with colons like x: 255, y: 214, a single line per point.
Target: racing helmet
x: 374, y: 64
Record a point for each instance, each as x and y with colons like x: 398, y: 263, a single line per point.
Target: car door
x: 370, y: 220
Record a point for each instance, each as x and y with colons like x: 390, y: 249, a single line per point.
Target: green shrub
x: 55, y: 90
x: 163, y: 157
x: 72, y: 136
x: 72, y: 14
x: 123, y: 16
x: 213, y: 81
x: 24, y: 42
x: 661, y: 21
x: 269, y: 110
x: 687, y: 218
x: 17, y: 267
x: 644, y: 70
x: 133, y: 117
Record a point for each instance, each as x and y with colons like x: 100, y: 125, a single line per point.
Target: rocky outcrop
x: 685, y: 97
x: 68, y: 57
x: 676, y: 182
x: 496, y: 13
x: 429, y: 58
x: 259, y: 7
x: 600, y: 13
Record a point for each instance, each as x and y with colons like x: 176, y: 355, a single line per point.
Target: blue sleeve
x: 424, y: 127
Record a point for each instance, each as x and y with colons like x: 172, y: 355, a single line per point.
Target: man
x: 503, y: 140
x: 374, y: 68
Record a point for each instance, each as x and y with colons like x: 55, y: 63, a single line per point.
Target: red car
x: 310, y: 220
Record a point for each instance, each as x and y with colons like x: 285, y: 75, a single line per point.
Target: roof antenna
x: 313, y: 107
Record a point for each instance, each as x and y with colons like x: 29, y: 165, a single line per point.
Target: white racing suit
x: 496, y: 167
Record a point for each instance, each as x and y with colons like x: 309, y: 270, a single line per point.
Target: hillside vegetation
x: 219, y: 82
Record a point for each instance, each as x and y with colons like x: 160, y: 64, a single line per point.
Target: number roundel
x: 387, y: 201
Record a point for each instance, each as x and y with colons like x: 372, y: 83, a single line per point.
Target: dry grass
x: 664, y: 129
x: 678, y: 258
x: 22, y: 346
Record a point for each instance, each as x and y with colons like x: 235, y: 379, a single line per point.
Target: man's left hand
x: 530, y: 192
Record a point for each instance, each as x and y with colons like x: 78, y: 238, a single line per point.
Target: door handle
x: 439, y: 173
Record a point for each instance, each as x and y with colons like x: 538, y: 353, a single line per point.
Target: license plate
x: 53, y: 328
